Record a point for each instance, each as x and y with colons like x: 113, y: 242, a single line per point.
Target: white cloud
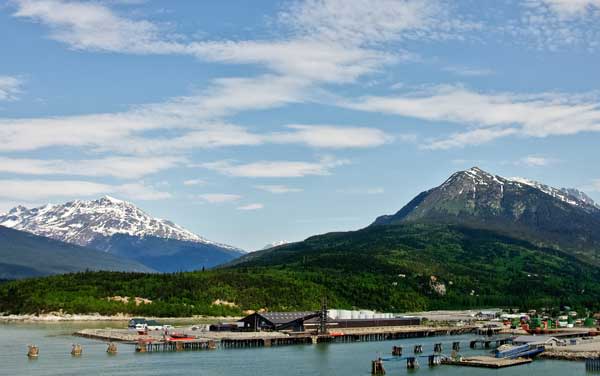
x: 218, y: 198
x: 191, y: 182
x: 274, y: 169
x: 10, y: 88
x: 557, y: 24
x: 124, y: 131
x: 536, y: 161
x: 277, y: 189
x: 312, y: 61
x: 594, y: 187
x: 38, y: 190
x: 469, y: 71
x: 322, y: 40
x: 471, y: 137
x: 251, y: 207
x: 490, y: 116
x: 93, y: 26
x: 120, y: 167
x: 361, y: 22
x: 363, y: 191
x: 568, y: 8
x: 196, y: 118
x: 329, y: 136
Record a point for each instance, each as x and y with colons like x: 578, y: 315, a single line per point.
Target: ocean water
x: 55, y: 340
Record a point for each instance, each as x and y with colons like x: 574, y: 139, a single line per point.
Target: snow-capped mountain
x: 569, y: 195
x: 119, y: 227
x: 80, y: 222
x: 516, y: 206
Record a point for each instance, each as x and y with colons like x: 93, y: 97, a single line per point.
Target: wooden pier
x: 233, y: 340
x: 145, y: 346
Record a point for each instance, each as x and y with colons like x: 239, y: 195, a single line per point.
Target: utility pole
x: 323, y: 317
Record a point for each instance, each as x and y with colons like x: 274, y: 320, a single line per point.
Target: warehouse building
x: 309, y: 321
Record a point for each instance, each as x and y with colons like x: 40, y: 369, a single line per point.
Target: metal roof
x: 279, y: 318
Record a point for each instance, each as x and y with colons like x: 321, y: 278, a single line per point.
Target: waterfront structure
x: 310, y: 321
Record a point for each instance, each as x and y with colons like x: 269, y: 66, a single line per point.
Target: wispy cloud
x: 275, y: 169
x: 323, y: 40
x: 536, y: 161
x: 255, y: 206
x: 490, y: 115
x: 191, y: 182
x: 557, y: 24
x: 329, y: 136
x: 364, y: 22
x: 39, y: 190
x: 469, y: 71
x: 594, y: 186
x: 218, y: 198
x: 10, y: 88
x: 94, y: 26
x: 363, y: 191
x: 120, y: 167
x: 277, y: 189
x: 196, y: 117
x: 569, y: 8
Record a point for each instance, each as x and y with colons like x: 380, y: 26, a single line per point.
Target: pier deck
x: 487, y: 362
x: 269, y: 339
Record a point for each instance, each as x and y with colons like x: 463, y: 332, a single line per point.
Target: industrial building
x: 310, y: 321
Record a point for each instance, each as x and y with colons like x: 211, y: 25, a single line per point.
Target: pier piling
x: 112, y: 348
x: 377, y: 367
x: 592, y: 364
x: 33, y: 351
x: 76, y: 350
x: 412, y: 362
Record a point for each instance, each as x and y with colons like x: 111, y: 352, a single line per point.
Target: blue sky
x: 253, y: 122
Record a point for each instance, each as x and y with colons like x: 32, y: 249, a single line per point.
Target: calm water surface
x: 55, y: 342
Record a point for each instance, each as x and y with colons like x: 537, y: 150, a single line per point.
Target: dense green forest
x: 388, y: 268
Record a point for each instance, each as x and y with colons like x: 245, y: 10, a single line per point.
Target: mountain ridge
x: 518, y: 207
x: 121, y: 228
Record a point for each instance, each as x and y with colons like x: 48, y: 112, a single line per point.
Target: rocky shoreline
x: 569, y: 355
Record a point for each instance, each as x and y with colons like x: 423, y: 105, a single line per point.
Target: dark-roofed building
x: 309, y: 321
x: 278, y: 320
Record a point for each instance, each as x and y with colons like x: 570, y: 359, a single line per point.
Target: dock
x: 486, y: 362
x: 155, y: 341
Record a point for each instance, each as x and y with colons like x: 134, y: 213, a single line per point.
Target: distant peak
x: 475, y: 169
x: 111, y: 199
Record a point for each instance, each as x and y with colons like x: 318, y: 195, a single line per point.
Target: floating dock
x: 487, y: 362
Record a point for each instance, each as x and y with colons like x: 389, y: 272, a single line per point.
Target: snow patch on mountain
x: 81, y: 222
x: 479, y: 177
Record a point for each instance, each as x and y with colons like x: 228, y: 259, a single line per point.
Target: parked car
x: 136, y: 321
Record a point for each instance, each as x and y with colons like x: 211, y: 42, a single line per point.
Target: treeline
x: 386, y: 268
